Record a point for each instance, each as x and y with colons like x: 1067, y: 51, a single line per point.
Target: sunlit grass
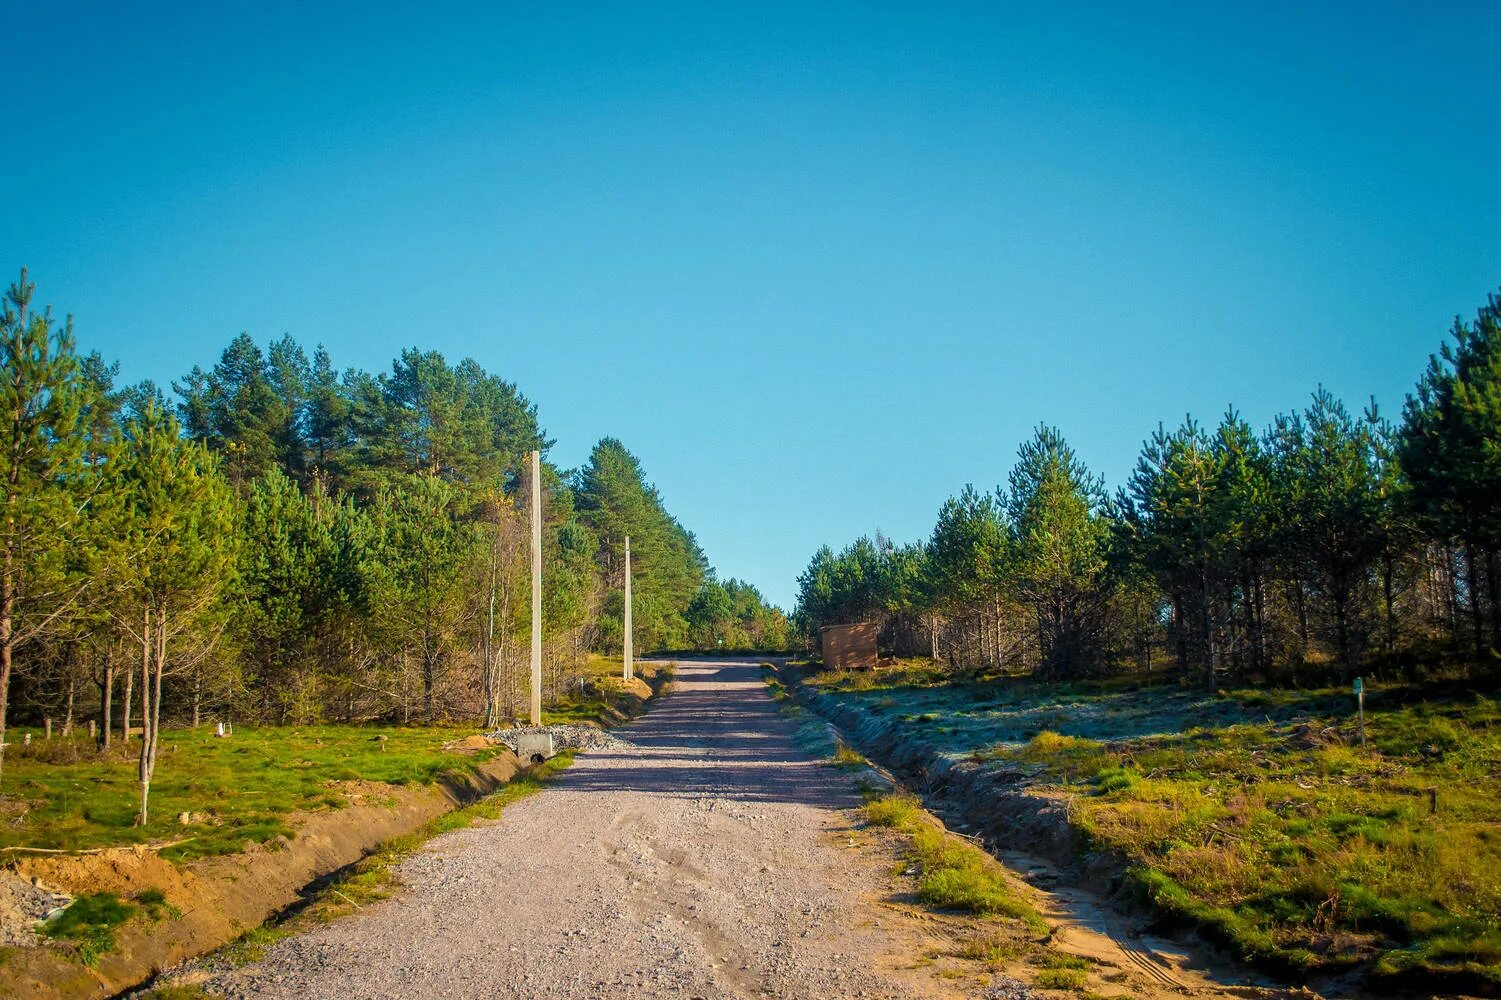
x: 953, y: 873
x: 64, y: 795
x: 236, y: 790
x: 1257, y: 814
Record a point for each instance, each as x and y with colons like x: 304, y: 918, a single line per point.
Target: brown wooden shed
x: 849, y: 647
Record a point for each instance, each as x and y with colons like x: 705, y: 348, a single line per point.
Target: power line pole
x: 536, y: 588
x: 630, y: 668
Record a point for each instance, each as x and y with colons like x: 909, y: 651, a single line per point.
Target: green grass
x: 847, y: 757
x: 251, y: 946
x: 899, y: 812
x: 178, y: 991
x: 1063, y: 972
x: 236, y: 789
x: 607, y: 698
x: 953, y: 873
x: 89, y: 924
x: 1061, y: 979
x: 1256, y: 814
x: 66, y: 796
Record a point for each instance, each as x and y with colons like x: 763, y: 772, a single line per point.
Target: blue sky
x: 818, y: 266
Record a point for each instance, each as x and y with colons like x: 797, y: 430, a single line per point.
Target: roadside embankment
x: 1267, y: 821
x: 984, y: 798
x: 208, y: 902
x: 138, y: 909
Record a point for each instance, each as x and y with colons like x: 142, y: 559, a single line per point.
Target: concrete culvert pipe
x: 535, y: 747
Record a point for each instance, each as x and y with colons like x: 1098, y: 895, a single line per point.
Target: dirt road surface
x: 709, y: 860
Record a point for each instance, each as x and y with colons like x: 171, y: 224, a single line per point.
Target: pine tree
x: 1449, y: 454
x: 1054, y: 506
x: 178, y: 545
x: 1173, y: 495
x: 1337, y: 524
x: 290, y: 582
x: 42, y: 436
x: 614, y: 500
x: 969, y: 564
x: 1242, y: 515
x: 328, y: 415
x: 420, y: 565
x: 237, y: 411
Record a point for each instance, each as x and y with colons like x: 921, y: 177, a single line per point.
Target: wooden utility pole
x: 630, y: 667
x: 536, y: 588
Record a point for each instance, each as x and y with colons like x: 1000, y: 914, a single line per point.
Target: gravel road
x: 704, y: 861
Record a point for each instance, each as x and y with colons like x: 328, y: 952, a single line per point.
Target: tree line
x: 277, y: 540
x: 1329, y: 542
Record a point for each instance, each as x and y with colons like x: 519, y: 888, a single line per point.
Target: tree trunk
x: 68, y: 713
x: 130, y: 680
x: 8, y: 570
x: 1207, y: 610
x: 143, y: 766
x: 7, y: 615
x: 1180, y: 636
x: 1342, y: 631
x: 1254, y: 638
x: 1302, y: 605
x: 1491, y: 583
x: 1472, y: 583
x: 1389, y: 598
x: 106, y: 697
x: 1449, y: 598
x: 1000, y: 655
x: 428, y: 667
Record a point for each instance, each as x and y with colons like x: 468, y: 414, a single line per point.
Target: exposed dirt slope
x: 221, y: 897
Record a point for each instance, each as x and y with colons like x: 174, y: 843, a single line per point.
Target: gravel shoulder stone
x: 565, y: 737
x: 703, y: 855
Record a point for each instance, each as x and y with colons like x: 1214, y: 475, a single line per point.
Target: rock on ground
x: 23, y: 905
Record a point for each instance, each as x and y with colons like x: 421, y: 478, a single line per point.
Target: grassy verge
x: 373, y: 878
x: 953, y: 873
x: 368, y: 881
x: 992, y: 925
x: 1258, y: 815
x: 63, y: 795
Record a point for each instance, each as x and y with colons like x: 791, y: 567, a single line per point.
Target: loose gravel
x: 565, y: 737
x: 24, y: 904
x: 710, y: 857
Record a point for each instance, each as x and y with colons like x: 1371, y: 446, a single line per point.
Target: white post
x: 630, y: 668
x: 536, y: 588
